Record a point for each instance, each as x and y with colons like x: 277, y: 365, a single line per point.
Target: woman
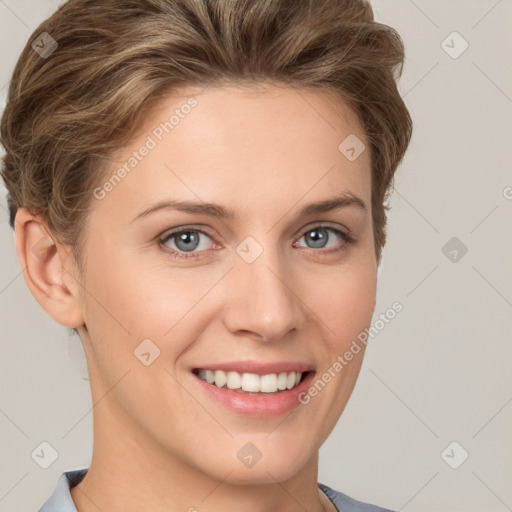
x: 197, y: 189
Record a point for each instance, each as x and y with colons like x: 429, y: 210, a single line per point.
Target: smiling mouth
x: 251, y: 383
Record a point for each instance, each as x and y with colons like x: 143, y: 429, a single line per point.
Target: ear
x: 49, y: 270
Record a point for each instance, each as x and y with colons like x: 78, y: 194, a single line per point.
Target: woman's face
x: 267, y: 290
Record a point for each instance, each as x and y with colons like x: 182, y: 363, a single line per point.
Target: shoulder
x: 60, y: 500
x: 347, y: 504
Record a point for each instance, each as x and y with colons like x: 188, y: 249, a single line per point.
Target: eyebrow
x: 221, y: 212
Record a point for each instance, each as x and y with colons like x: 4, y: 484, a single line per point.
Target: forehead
x: 241, y: 145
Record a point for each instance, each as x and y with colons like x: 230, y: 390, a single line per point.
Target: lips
x: 280, y: 386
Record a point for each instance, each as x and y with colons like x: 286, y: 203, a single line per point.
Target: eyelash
x: 346, y: 237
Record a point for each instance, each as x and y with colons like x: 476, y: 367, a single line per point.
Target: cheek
x: 128, y: 302
x: 344, y: 302
x: 138, y: 300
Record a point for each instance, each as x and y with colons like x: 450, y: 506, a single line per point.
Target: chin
x: 267, y: 464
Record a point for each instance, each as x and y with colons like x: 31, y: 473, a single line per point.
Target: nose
x: 262, y: 302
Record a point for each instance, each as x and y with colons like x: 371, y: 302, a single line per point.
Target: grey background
x: 437, y: 373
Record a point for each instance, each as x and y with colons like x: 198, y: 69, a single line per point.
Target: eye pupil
x: 187, y: 237
x: 318, y: 237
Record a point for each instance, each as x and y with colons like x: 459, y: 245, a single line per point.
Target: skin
x: 159, y: 444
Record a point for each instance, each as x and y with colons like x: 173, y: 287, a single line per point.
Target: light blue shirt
x: 61, y: 501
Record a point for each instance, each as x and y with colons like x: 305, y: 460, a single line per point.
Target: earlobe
x: 45, y: 269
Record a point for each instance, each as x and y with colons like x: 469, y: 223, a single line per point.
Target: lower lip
x: 261, y: 405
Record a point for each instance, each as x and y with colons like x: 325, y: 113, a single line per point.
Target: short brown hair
x: 67, y: 112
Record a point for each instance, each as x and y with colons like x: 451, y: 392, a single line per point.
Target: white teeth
x: 268, y: 383
x: 251, y: 382
x: 220, y: 378
x: 282, y: 380
x: 233, y: 380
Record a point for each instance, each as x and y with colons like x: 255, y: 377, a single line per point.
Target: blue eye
x: 186, y: 241
x: 319, y: 237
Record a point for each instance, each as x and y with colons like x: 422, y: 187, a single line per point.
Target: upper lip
x: 258, y: 368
